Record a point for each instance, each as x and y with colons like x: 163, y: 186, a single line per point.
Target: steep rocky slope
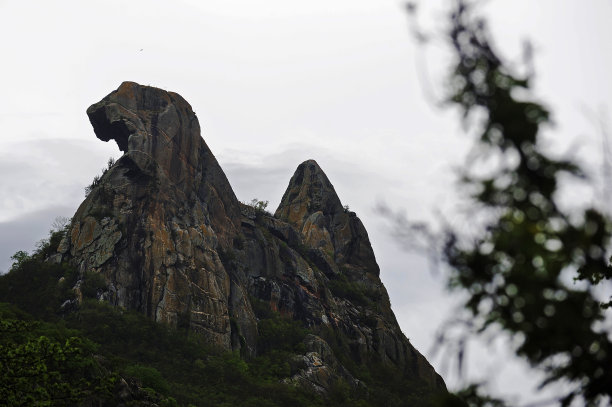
x: 165, y: 231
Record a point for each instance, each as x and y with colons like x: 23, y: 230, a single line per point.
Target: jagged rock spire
x: 311, y: 204
x: 309, y: 191
x: 340, y: 247
x: 156, y: 221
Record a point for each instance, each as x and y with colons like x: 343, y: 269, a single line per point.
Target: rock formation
x: 165, y: 230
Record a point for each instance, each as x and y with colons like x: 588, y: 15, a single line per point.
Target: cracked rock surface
x: 166, y: 231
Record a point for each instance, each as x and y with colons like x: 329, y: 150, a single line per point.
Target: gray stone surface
x: 166, y: 231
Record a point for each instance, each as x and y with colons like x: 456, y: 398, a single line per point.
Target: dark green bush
x: 261, y: 308
x: 279, y: 333
x: 37, y: 287
x: 149, y: 377
x: 47, y: 364
x: 353, y: 291
x: 48, y: 247
x: 92, y: 284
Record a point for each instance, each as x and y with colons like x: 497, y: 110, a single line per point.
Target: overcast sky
x: 275, y: 83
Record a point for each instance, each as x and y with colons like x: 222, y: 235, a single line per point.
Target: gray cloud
x: 24, y: 232
x: 43, y: 172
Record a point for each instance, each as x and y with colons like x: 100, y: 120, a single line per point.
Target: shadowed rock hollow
x: 165, y: 230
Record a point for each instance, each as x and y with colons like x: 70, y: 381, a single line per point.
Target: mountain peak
x: 160, y: 135
x: 129, y: 109
x: 164, y: 230
x: 312, y: 206
x: 309, y: 191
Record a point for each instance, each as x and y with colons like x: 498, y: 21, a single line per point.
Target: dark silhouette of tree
x: 520, y: 268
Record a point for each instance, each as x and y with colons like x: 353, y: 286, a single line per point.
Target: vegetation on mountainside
x: 47, y: 364
x: 354, y: 291
x: 57, y: 352
x: 259, y: 205
x: 97, y: 178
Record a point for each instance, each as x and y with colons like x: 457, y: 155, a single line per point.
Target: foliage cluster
x: 259, y: 206
x: 92, y: 284
x: 279, y: 342
x: 278, y: 333
x: 37, y: 287
x: 149, y: 377
x: 48, y: 247
x: 532, y: 267
x: 354, y: 291
x: 387, y: 385
x: 46, y: 364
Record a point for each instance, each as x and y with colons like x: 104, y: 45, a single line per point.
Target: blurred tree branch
x: 518, y: 270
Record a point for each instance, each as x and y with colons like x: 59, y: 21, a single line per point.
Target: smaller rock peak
x: 311, y: 204
x: 309, y: 191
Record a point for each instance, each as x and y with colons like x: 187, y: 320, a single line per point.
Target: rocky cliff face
x: 165, y: 230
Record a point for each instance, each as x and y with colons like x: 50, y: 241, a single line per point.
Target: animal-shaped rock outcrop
x: 166, y: 232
